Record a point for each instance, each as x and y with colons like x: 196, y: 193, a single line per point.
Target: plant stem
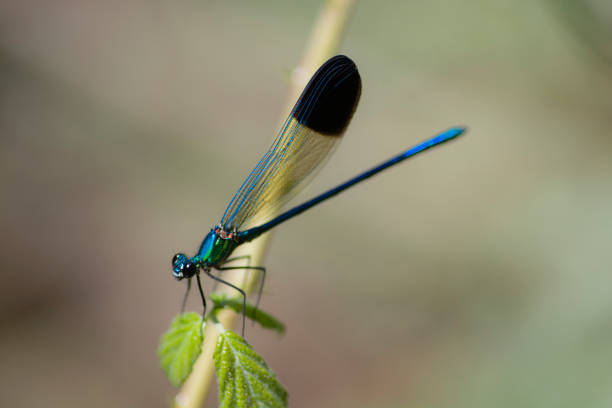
x: 323, y: 43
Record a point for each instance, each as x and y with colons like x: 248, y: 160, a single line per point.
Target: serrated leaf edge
x: 174, y: 338
x: 228, y: 336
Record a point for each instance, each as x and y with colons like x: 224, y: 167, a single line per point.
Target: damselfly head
x: 182, y: 267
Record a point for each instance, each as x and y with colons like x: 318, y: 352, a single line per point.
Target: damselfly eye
x: 180, y: 262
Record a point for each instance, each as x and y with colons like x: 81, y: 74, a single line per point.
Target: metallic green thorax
x: 215, y: 249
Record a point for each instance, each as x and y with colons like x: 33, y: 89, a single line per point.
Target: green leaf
x: 264, y: 319
x: 244, y: 379
x: 180, y: 346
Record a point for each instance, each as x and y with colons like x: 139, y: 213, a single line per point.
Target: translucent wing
x: 310, y: 133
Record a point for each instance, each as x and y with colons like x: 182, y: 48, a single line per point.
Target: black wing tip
x: 330, y: 98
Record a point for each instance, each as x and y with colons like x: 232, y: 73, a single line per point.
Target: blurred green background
x: 477, y: 275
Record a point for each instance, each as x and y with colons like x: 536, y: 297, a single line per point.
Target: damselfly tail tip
x: 454, y: 132
x: 445, y: 136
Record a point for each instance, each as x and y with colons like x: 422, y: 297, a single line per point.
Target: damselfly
x: 310, y: 133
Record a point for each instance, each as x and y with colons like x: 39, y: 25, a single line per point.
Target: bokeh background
x: 477, y: 275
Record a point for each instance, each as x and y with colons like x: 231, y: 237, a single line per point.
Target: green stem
x: 324, y: 40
